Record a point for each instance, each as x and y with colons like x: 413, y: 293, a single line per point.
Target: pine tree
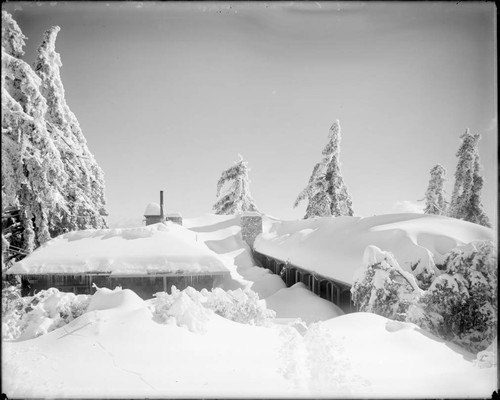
x: 475, y: 212
x: 465, y: 200
x: 32, y: 172
x: 326, y: 190
x: 383, y: 288
x: 47, y: 171
x: 435, y: 202
x: 84, y: 193
x: 233, y: 190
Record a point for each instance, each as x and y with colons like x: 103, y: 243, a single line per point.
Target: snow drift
x: 119, y: 349
x: 334, y: 247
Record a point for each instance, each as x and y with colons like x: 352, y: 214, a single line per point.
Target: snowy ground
x: 120, y: 349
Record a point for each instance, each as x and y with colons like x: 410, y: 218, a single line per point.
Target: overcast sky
x: 167, y: 95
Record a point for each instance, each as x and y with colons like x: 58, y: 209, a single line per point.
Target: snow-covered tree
x: 461, y: 304
x: 33, y: 176
x: 465, y: 200
x: 12, y: 37
x: 435, y: 202
x: 326, y: 191
x: 84, y: 192
x: 233, y: 190
x: 383, y: 287
x: 38, y: 171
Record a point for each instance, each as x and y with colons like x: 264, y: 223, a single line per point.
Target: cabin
x: 147, y: 260
x: 154, y: 214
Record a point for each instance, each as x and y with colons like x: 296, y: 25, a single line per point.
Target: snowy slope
x: 118, y: 349
x: 158, y: 248
x: 334, y: 246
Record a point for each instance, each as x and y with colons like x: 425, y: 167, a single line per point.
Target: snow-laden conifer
x: 84, y: 192
x: 465, y: 200
x: 326, y: 191
x: 12, y: 37
x: 33, y: 175
x: 383, y: 287
x: 435, y: 202
x: 47, y: 171
x: 233, y: 190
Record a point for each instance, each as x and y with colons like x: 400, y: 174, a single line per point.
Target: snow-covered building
x: 326, y: 254
x: 146, y: 259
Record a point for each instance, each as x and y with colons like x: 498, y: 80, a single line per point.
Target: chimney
x: 161, y: 205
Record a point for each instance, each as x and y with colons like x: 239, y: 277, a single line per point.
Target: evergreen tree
x: 475, y: 212
x: 233, y: 190
x: 84, y: 193
x: 33, y: 176
x: 326, y: 190
x: 435, y: 202
x: 466, y: 197
x: 383, y: 288
x: 44, y: 155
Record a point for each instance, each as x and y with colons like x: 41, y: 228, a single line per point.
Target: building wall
x: 175, y: 220
x: 143, y: 286
x: 152, y: 219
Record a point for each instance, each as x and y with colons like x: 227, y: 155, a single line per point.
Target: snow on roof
x: 157, y: 248
x: 250, y: 214
x: 334, y: 247
x: 152, y: 209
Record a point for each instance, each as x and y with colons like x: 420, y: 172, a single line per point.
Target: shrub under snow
x: 461, y: 304
x: 28, y: 317
x: 192, y: 309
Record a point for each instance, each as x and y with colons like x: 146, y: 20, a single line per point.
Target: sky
x: 169, y: 93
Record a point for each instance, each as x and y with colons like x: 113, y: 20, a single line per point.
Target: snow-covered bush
x: 192, y: 309
x: 184, y: 307
x: 29, y: 317
x: 383, y: 287
x: 11, y: 299
x: 238, y: 305
x: 461, y: 304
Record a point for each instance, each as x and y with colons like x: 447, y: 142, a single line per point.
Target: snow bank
x: 105, y: 298
x: 334, y: 247
x: 158, y: 248
x: 401, y: 360
x: 124, y: 352
x: 299, y: 302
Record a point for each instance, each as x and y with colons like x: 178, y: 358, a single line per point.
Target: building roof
x: 152, y: 209
x: 153, y: 249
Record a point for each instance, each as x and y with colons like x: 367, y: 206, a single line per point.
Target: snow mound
x: 334, y: 247
x: 157, y: 248
x: 299, y: 302
x: 393, y: 354
x: 105, y: 299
